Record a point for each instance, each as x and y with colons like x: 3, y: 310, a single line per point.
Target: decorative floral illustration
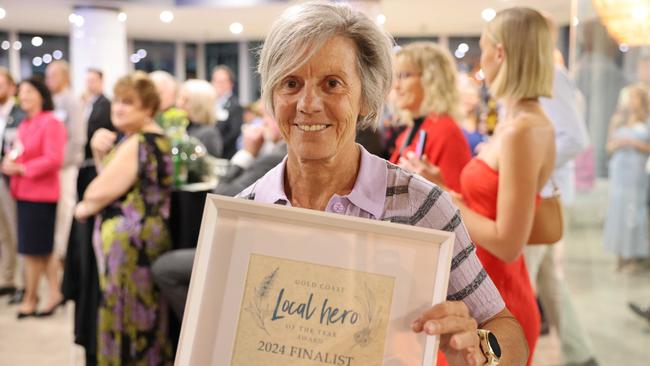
x: 363, y: 336
x: 257, y: 307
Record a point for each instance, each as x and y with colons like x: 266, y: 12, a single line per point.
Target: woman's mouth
x: 311, y: 128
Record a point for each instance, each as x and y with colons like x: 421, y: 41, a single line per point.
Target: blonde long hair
x: 438, y: 77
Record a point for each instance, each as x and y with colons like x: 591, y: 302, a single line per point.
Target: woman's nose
x: 310, y: 100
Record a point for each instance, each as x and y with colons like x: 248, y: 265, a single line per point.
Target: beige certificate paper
x: 302, y: 313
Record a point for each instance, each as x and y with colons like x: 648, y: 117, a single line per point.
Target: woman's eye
x: 291, y: 83
x: 333, y: 83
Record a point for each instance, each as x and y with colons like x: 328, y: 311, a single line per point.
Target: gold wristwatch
x: 489, y: 347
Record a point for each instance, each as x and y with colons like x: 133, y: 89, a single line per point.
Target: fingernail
x: 431, y: 327
x: 416, y: 325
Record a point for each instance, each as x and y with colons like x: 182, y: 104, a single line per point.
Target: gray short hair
x: 201, y: 98
x: 301, y: 31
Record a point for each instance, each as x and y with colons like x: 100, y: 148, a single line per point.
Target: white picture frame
x: 233, y: 231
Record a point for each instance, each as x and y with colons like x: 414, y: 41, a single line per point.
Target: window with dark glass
x: 39, y: 50
x: 466, y: 52
x: 222, y: 54
x: 4, y: 49
x: 254, y: 48
x: 190, y: 61
x: 150, y: 56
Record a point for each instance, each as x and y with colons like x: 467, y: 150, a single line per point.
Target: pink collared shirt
x: 43, y: 138
x: 384, y: 191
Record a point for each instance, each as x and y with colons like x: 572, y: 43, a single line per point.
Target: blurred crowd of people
x: 85, y: 196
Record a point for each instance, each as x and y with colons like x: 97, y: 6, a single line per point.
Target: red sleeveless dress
x: 479, y: 187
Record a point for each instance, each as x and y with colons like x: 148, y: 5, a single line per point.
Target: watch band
x: 487, y: 349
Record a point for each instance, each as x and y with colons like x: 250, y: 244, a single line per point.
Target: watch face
x: 494, y: 344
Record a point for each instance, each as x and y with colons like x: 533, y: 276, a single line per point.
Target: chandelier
x: 627, y: 21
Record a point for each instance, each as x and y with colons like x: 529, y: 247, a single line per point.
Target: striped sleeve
x: 431, y: 207
x: 468, y: 281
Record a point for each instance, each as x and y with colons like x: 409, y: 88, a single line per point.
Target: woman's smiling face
x: 317, y: 105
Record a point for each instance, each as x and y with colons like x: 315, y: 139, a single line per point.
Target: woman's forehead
x: 335, y: 56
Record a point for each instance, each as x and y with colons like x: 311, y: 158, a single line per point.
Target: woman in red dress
x: 500, y: 186
x: 426, y: 93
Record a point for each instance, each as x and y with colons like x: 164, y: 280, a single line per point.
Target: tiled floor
x: 599, y: 292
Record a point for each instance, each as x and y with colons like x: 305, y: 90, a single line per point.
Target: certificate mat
x: 275, y: 285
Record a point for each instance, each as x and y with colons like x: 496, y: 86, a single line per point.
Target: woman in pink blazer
x: 33, y: 165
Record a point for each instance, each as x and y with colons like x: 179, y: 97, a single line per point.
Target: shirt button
x: 338, y: 207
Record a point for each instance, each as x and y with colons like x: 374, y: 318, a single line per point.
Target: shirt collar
x: 368, y: 193
x: 221, y: 102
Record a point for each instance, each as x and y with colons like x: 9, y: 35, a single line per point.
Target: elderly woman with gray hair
x: 197, y: 98
x: 325, y: 71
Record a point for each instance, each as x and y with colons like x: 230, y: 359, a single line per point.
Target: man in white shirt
x: 227, y: 109
x: 10, y: 117
x: 544, y: 261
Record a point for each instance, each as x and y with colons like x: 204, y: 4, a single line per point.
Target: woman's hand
x: 617, y: 143
x: 81, y: 212
x: 253, y: 139
x: 102, y: 142
x: 10, y: 167
x: 422, y: 167
x: 457, y: 330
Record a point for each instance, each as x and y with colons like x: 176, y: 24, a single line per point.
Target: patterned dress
x: 129, y: 235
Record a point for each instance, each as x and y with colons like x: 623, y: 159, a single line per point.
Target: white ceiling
x: 203, y: 23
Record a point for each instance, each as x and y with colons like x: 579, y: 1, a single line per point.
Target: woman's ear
x: 501, y: 53
x: 364, y: 109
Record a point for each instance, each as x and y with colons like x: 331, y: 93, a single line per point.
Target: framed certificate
x: 273, y: 285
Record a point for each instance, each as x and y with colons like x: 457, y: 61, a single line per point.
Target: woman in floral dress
x: 131, y: 196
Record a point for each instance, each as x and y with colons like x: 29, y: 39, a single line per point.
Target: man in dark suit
x: 80, y: 280
x: 228, y: 111
x: 97, y: 109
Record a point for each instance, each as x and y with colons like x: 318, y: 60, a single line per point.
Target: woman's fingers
x: 450, y: 325
x: 461, y: 341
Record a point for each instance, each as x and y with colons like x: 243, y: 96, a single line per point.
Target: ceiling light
x: 381, y: 19
x: 463, y: 47
x: 134, y: 58
x: 488, y: 14
x: 627, y: 21
x: 37, y: 41
x: 5, y: 45
x: 121, y: 17
x: 57, y: 54
x: 47, y: 58
x: 141, y: 53
x: 236, y: 28
x: 37, y: 61
x: 18, y: 45
x: 77, y: 20
x: 459, y: 54
x: 640, y: 12
x: 623, y: 47
x: 166, y: 16
x: 3, y: 13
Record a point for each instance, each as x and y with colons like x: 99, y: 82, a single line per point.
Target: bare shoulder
x: 128, y: 148
x: 528, y: 130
